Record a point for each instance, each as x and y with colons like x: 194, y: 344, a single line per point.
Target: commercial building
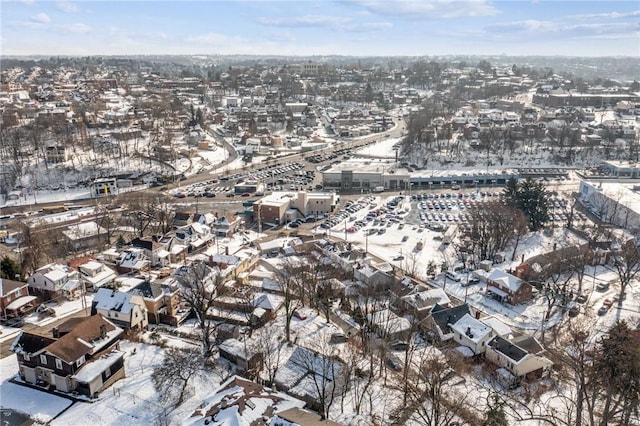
x: 281, y: 207
x: 612, y: 202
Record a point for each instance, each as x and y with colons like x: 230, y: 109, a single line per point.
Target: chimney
x: 477, y: 315
x: 226, y: 250
x: 554, y: 246
x: 55, y: 332
x: 103, y: 331
x: 522, y: 258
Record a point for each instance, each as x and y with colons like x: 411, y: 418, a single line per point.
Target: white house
x: 514, y: 357
x: 471, y: 333
x: 126, y: 310
x: 95, y: 274
x: 50, y: 279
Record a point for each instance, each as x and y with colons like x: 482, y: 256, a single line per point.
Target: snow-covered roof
x: 505, y: 280
x: 499, y: 327
x: 111, y: 300
x: 93, y: 369
x: 472, y: 328
x: 239, y: 402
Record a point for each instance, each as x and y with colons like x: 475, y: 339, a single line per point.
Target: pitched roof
x: 444, y: 317
x: 112, y: 300
x: 242, y: 402
x: 87, y: 337
x: 30, y: 343
x: 505, y: 280
x: 507, y: 348
x: 7, y: 286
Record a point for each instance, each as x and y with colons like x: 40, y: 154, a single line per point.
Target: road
x: 394, y: 132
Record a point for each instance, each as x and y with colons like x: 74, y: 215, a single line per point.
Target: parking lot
x: 436, y: 211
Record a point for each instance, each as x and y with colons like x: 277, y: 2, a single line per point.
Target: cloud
x: 73, y: 28
x: 66, y: 6
x: 338, y: 23
x: 40, y: 18
x: 607, y: 15
x: 304, y: 21
x: 536, y: 27
x: 27, y: 2
x: 428, y: 9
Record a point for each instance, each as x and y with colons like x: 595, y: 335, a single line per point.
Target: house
x: 540, y: 267
x: 389, y: 325
x: 247, y: 357
x: 182, y: 219
x: 95, y: 275
x: 127, y: 310
x: 194, y: 235
x: 48, y: 281
x: 306, y: 372
x: 438, y: 323
x: 240, y: 401
x: 226, y: 225
x: 162, y: 302
x: 85, y: 235
x: 420, y: 303
x: 14, y: 298
x: 156, y: 248
x: 471, y: 333
x: 132, y: 260
x: 507, y: 288
x: 520, y: 357
x: 82, y: 356
x: 269, y: 303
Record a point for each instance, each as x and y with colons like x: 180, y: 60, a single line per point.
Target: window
x: 26, y: 357
x: 80, y: 361
x: 43, y: 359
x: 58, y: 364
x: 107, y: 372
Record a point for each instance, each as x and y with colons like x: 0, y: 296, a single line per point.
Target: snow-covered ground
x: 38, y: 405
x: 382, y: 149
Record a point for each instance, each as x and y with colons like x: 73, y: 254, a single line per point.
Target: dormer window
x: 43, y: 359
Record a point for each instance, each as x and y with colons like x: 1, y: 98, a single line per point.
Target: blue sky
x: 305, y: 27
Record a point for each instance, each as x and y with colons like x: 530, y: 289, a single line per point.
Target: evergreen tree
x: 9, y: 268
x: 530, y: 197
x: 495, y: 415
x: 618, y: 366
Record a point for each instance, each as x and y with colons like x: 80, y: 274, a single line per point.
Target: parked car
x: 394, y: 363
x: 602, y: 287
x: 574, y: 311
x: 453, y: 276
x: 581, y: 298
x: 338, y: 338
x: 471, y: 281
x: 603, y: 310
x: 299, y: 315
x: 15, y: 322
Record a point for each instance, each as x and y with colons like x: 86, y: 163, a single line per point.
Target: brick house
x: 507, y: 288
x: 14, y: 297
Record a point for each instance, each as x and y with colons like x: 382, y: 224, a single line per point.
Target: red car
x: 299, y: 315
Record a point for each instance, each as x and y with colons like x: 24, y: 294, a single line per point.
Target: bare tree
x: 291, y: 278
x: 171, y: 377
x: 325, y: 372
x: 431, y: 398
x: 270, y: 343
x: 199, y: 289
x: 627, y: 263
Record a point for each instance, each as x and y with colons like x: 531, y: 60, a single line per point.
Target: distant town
x: 326, y: 240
